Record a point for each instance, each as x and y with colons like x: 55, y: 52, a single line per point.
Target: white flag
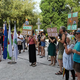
x: 15, y: 54
x: 9, y: 43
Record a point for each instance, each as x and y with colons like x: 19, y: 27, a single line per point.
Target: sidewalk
x: 22, y: 70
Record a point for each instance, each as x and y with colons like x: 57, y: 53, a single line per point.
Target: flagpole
x: 13, y: 58
x: 12, y: 52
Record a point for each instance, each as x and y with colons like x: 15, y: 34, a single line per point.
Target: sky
x: 37, y: 5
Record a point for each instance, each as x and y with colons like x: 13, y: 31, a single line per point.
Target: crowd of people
x: 65, y: 45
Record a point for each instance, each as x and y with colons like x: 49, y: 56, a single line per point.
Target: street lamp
x: 38, y: 23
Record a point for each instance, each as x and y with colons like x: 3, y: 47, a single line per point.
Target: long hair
x: 72, y: 39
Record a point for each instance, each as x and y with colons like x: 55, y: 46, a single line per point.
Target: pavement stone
x: 23, y: 71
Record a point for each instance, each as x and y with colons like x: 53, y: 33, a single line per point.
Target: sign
x: 52, y: 32
x: 27, y: 30
x: 72, y: 22
x: 39, y: 30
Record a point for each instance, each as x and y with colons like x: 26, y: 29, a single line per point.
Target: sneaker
x: 34, y: 65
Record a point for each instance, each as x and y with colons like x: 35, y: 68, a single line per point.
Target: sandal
x: 53, y: 64
x: 59, y: 73
x: 50, y: 64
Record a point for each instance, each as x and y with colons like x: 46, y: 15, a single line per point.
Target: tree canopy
x: 17, y: 10
x: 56, y: 12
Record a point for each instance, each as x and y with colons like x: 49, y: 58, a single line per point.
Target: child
x: 68, y: 57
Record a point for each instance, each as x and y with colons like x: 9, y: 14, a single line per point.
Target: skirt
x: 42, y: 44
x: 52, y: 49
x: 32, y: 53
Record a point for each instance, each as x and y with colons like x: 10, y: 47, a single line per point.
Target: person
x: 35, y: 36
x: 43, y: 45
x: 68, y: 57
x: 76, y: 57
x: 19, y: 39
x: 61, y: 48
x: 1, y: 41
x: 32, y: 50
x: 52, y: 49
x: 39, y: 42
x: 23, y: 43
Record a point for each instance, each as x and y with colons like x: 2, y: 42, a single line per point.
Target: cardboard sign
x: 27, y: 30
x: 52, y: 32
x: 72, y: 22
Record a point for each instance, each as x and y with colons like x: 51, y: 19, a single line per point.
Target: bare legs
x: 42, y: 51
x: 52, y: 59
x: 60, y: 64
x: 78, y: 75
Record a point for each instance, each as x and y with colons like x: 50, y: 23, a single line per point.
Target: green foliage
x: 17, y: 10
x: 56, y: 12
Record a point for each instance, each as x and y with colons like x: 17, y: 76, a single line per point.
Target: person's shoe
x: 50, y: 64
x: 34, y: 65
x: 53, y: 64
x: 43, y: 56
x: 31, y: 65
x: 19, y: 52
x: 23, y: 50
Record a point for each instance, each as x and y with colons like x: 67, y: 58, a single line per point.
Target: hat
x: 78, y: 31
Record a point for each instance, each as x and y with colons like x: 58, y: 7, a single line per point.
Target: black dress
x: 32, y: 53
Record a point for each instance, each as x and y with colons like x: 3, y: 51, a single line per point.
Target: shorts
x: 76, y: 67
x: 43, y: 44
x: 60, y: 55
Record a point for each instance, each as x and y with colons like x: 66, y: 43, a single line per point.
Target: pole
x: 38, y: 28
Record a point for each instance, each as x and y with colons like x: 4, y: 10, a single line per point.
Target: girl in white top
x: 68, y: 57
x: 19, y: 40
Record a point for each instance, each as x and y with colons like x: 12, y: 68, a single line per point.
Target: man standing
x: 61, y: 48
x: 76, y: 52
x: 1, y: 41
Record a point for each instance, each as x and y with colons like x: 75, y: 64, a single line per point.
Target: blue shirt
x: 76, y: 57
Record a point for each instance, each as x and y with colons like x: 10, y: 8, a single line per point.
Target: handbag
x: 19, y: 42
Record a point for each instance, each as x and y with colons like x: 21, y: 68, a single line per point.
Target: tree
x: 18, y: 10
x: 56, y: 12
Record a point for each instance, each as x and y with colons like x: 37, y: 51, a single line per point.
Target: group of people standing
x: 65, y: 45
x: 68, y: 51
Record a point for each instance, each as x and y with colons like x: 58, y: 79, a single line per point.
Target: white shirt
x: 68, y: 59
x: 20, y: 36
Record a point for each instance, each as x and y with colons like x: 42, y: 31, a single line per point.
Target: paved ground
x: 22, y: 70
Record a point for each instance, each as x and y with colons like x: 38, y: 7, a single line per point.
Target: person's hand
x: 65, y: 45
x: 18, y: 37
x: 56, y: 37
x: 74, y: 51
x: 48, y: 37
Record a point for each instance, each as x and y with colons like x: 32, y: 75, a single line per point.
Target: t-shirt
x: 68, y: 58
x: 31, y: 41
x: 76, y: 57
x: 42, y: 37
x: 20, y: 36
